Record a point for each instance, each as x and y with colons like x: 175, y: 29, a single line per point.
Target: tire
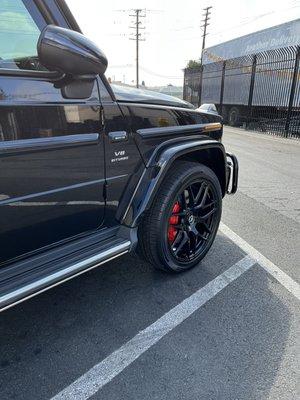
x: 234, y: 117
x: 175, y: 219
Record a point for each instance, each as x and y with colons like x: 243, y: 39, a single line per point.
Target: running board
x: 19, y: 283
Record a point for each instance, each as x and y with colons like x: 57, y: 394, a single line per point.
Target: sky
x: 172, y: 31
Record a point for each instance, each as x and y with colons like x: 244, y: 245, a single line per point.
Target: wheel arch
x: 213, y: 158
x: 208, y: 152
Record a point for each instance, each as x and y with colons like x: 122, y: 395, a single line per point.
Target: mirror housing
x: 70, y: 52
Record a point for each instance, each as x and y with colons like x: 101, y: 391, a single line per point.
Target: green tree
x: 193, y: 64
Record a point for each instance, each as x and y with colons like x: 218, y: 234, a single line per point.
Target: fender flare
x: 155, y: 171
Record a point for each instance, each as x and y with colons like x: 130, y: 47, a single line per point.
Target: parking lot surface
x: 228, y: 329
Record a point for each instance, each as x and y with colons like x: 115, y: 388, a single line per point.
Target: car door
x: 124, y: 164
x: 51, y: 148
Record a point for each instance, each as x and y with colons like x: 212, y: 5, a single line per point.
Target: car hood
x: 133, y: 95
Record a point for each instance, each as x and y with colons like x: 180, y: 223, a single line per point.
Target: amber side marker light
x: 212, y: 127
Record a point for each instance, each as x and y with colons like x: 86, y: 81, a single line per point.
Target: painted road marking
x: 98, y: 376
x: 285, y: 280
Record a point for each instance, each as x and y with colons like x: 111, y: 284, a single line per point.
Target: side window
x: 20, y: 27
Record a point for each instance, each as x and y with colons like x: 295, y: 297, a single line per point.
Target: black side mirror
x: 74, y: 55
x: 70, y: 52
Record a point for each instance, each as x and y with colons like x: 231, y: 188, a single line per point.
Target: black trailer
x: 260, y: 91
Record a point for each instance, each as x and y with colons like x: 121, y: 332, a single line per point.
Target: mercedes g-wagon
x: 91, y: 171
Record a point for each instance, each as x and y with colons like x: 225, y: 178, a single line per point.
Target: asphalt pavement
x: 228, y: 329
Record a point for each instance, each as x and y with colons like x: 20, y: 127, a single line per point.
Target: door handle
x: 118, y: 136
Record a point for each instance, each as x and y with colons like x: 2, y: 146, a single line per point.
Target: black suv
x: 89, y: 171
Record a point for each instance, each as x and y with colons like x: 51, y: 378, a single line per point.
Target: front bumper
x: 232, y: 173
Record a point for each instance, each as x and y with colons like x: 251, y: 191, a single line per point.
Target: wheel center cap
x: 191, y: 219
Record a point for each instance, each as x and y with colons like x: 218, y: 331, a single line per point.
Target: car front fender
x: 157, y: 168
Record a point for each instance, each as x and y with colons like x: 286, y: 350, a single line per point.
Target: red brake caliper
x: 173, y: 220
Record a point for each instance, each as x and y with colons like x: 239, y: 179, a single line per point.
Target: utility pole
x: 206, y: 16
x: 138, y: 13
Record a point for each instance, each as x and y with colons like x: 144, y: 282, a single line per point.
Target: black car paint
x: 63, y: 175
x: 41, y: 111
x: 30, y: 171
x: 52, y: 166
x: 143, y: 118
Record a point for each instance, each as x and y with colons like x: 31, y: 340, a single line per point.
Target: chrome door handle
x: 118, y: 136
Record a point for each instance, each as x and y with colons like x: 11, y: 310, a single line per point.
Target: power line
x: 147, y: 70
x: 150, y: 72
x: 249, y: 20
x: 245, y: 21
x: 204, y: 26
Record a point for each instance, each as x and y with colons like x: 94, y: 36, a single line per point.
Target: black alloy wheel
x: 192, y: 219
x: 182, y: 223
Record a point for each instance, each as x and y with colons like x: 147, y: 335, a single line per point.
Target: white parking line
x: 98, y: 376
x: 285, y: 280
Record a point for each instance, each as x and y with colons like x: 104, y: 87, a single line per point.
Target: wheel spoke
x: 211, y: 212
x: 189, y: 247
x: 193, y: 240
x: 202, y: 218
x: 177, y: 239
x: 179, y: 214
x: 180, y: 227
x: 199, y: 232
x: 202, y: 236
x: 183, y: 199
x: 203, y: 200
x: 182, y: 243
x: 204, y: 197
x: 209, y: 205
x: 206, y: 227
x: 199, y: 192
x: 191, y: 196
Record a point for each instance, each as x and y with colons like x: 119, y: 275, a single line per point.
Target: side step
x: 37, y: 274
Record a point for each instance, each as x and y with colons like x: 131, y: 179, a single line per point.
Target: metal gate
x: 260, y: 91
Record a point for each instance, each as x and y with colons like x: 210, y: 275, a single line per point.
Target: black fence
x: 260, y: 91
